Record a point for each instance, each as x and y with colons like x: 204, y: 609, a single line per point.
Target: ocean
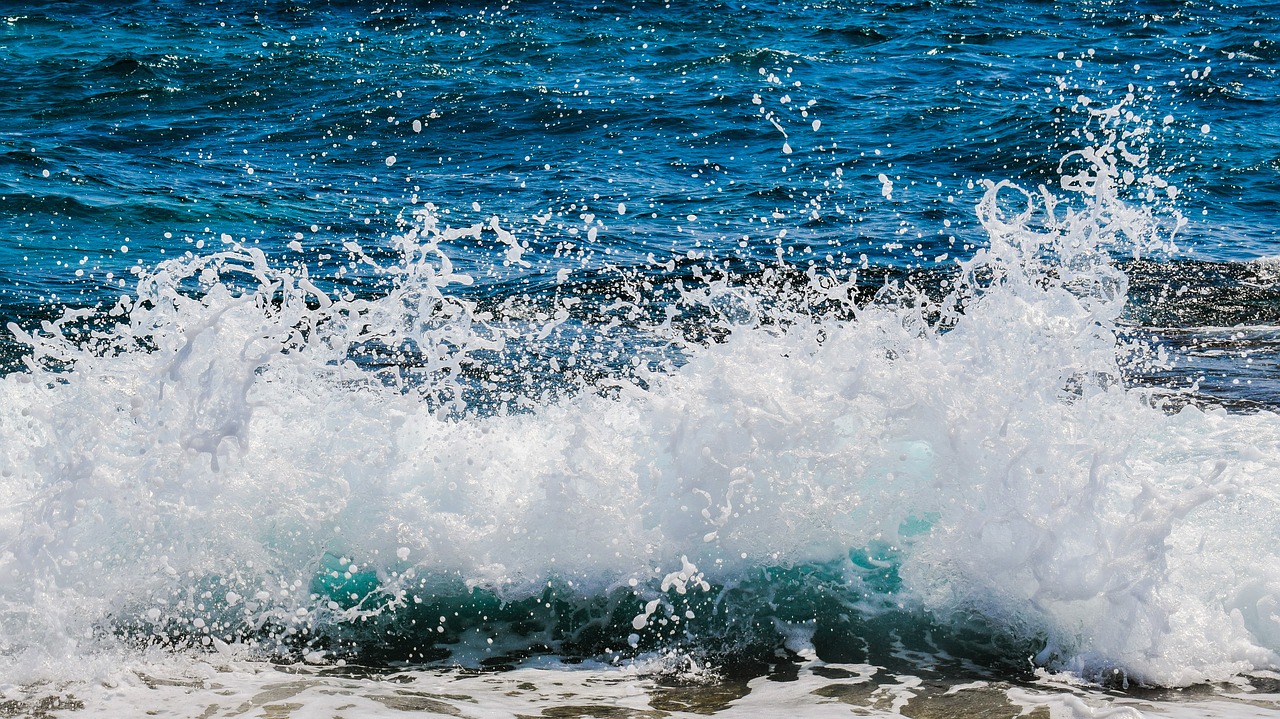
x: 576, y: 359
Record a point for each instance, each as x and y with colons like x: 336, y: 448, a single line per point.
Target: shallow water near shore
x: 237, y: 688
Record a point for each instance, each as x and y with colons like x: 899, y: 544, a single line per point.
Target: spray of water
x: 235, y: 459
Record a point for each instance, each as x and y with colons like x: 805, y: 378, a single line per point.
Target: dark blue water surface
x: 163, y: 127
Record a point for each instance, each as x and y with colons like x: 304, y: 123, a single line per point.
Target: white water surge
x: 189, y: 473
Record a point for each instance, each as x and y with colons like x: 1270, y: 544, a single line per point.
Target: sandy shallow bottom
x: 258, y: 689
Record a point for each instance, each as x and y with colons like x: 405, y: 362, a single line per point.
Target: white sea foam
x: 192, y: 470
x: 222, y: 687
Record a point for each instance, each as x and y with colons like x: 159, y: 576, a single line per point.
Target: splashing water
x: 237, y: 459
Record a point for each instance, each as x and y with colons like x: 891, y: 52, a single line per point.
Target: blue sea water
x: 128, y: 121
x: 611, y: 320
